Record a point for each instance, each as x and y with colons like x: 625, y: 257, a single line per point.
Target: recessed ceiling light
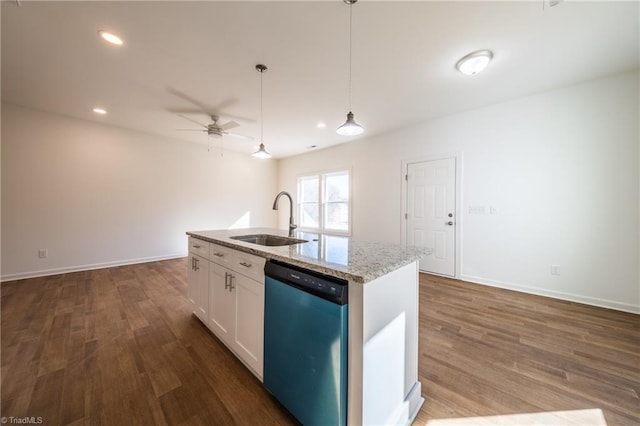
x: 474, y: 62
x: 100, y: 111
x: 110, y: 37
x: 321, y: 125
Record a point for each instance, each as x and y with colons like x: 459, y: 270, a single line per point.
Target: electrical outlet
x: 43, y: 253
x: 493, y: 210
x: 555, y: 269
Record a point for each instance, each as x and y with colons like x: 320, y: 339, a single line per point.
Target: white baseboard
x: 594, y: 301
x: 79, y: 268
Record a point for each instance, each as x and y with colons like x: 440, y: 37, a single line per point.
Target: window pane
x: 308, y: 189
x: 336, y: 216
x: 336, y: 187
x: 309, y: 215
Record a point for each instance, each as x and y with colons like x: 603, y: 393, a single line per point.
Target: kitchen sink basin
x: 268, y: 240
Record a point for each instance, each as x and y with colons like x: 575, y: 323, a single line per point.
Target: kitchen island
x: 382, y: 373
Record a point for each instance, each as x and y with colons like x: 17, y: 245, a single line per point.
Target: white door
x: 431, y: 221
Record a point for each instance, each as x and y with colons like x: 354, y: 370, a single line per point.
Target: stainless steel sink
x: 268, y: 240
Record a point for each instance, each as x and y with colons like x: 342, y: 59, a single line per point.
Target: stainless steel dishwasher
x: 305, y: 343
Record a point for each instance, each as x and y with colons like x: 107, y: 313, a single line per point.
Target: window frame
x: 322, y: 202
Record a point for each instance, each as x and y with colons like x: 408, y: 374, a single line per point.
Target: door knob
x: 450, y: 223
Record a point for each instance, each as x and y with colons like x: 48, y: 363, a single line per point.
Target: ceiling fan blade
x: 190, y: 130
x: 203, y: 107
x: 237, y: 136
x: 224, y: 104
x: 206, y: 109
x: 229, y: 125
x: 239, y: 118
x: 186, y: 111
x: 192, y: 120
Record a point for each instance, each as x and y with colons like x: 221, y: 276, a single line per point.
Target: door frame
x: 458, y: 158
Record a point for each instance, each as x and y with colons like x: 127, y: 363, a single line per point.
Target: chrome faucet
x: 292, y: 225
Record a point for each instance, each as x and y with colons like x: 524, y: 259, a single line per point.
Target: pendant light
x: 350, y: 127
x: 261, y: 152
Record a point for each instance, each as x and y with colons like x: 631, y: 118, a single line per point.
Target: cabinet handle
x: 245, y: 264
x: 226, y: 280
x: 197, y: 263
x: 193, y: 263
x: 197, y: 246
x: 231, y: 278
x: 218, y: 254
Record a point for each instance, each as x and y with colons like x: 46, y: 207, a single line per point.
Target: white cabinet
x: 221, y: 302
x: 236, y: 303
x: 198, y: 291
x: 248, y: 335
x: 230, y: 295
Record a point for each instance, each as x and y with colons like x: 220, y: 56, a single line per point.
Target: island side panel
x: 391, y: 392
x: 356, y: 344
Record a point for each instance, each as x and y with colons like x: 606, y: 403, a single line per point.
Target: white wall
x: 562, y: 169
x: 96, y: 195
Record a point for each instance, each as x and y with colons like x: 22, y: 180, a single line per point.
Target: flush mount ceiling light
x: 261, y: 152
x: 100, y: 111
x: 350, y: 127
x: 474, y: 62
x: 110, y: 37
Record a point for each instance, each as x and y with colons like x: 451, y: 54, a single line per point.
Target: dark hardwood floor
x: 119, y: 346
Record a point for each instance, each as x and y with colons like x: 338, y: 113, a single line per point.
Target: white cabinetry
x: 234, y: 297
x: 248, y: 334
x: 199, y: 278
x: 236, y: 303
x: 221, y: 302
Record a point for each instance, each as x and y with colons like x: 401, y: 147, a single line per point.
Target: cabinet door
x: 199, y: 287
x: 249, y: 331
x: 221, y: 302
x: 193, y: 282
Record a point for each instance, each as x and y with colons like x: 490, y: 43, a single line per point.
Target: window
x: 324, y: 202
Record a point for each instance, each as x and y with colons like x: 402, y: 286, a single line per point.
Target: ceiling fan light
x: 350, y: 127
x: 474, y: 62
x: 261, y: 153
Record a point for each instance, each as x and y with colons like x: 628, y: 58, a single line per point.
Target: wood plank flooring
x: 487, y: 352
x: 120, y: 346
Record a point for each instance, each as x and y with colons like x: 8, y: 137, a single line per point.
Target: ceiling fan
x: 214, y: 128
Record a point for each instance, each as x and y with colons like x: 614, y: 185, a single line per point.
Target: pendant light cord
x: 261, y: 110
x: 350, y: 48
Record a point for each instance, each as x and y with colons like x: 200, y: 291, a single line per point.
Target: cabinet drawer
x: 249, y: 265
x: 199, y: 247
x: 221, y: 255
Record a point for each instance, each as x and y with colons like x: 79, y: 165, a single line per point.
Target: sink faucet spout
x: 292, y: 226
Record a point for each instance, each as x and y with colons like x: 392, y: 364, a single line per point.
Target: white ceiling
x: 180, y: 54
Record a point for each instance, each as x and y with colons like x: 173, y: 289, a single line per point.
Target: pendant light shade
x: 261, y: 152
x: 350, y: 127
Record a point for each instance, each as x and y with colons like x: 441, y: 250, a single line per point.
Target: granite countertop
x: 342, y: 257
